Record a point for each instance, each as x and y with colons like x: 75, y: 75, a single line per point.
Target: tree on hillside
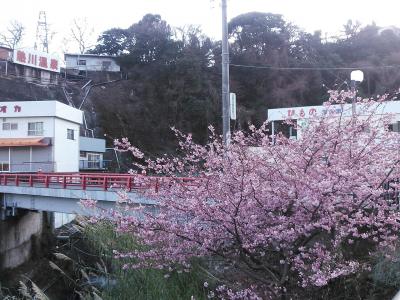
x: 275, y: 217
x: 351, y: 28
x: 81, y: 34
x: 175, y: 75
x: 373, y: 48
x: 150, y: 41
x: 267, y: 40
x: 112, y: 42
x: 13, y: 35
x: 172, y: 82
x: 262, y: 34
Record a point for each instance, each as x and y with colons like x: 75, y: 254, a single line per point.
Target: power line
x: 315, y: 68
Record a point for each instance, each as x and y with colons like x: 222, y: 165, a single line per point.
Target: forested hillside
x: 174, y: 73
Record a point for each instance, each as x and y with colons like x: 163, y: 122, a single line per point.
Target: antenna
x: 42, y: 32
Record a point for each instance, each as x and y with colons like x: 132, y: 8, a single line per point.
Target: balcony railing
x: 46, y: 166
x: 93, y: 164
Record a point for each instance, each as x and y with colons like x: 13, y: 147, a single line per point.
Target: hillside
x: 172, y: 77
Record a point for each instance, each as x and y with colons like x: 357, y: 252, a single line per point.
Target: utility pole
x: 226, y: 130
x: 354, y: 99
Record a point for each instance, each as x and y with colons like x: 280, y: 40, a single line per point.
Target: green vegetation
x: 173, y: 76
x: 140, y: 284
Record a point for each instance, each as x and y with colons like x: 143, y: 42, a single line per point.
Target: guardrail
x: 90, y: 181
x: 29, y: 167
x: 93, y: 164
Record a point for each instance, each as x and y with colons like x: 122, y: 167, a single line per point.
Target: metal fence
x: 47, y: 166
x: 93, y: 164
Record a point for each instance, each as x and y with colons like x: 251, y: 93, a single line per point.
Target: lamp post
x: 355, y: 76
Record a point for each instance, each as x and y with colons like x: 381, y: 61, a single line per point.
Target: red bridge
x: 61, y: 192
x: 83, y: 181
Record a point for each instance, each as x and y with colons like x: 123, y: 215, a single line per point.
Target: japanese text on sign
x: 36, y: 59
x: 3, y: 108
x: 310, y: 112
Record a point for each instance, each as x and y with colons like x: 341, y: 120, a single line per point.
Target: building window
x: 35, y: 128
x: 395, y: 127
x: 70, y: 134
x: 10, y: 126
x: 94, y: 160
x: 81, y: 62
x: 53, y: 77
x: 106, y: 65
x: 83, y: 154
x: 4, y: 167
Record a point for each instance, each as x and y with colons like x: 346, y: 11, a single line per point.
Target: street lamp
x: 355, y: 76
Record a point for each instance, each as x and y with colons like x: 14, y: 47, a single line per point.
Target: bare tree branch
x: 81, y: 33
x: 13, y: 35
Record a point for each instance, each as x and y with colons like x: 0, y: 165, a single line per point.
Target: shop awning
x: 24, y: 142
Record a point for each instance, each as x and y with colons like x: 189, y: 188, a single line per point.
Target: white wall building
x: 302, y: 114
x: 35, y: 65
x: 39, y: 135
x: 30, y: 64
x: 91, y: 153
x: 80, y: 63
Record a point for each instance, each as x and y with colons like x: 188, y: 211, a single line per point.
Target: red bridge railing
x: 88, y: 181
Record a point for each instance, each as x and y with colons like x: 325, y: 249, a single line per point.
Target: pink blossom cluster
x: 280, y: 212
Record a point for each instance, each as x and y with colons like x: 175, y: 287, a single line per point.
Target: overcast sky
x: 311, y: 15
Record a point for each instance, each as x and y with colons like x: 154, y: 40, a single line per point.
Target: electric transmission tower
x: 42, y: 33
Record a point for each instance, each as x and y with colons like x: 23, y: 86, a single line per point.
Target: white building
x: 91, y: 154
x: 302, y: 114
x: 30, y: 64
x: 82, y: 63
x: 39, y: 136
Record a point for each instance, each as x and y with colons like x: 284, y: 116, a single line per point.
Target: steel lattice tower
x: 42, y: 33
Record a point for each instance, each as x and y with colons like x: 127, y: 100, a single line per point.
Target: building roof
x: 90, y: 55
x: 305, y: 112
x: 43, y: 108
x: 92, y: 144
x: 24, y: 142
x: 5, y: 47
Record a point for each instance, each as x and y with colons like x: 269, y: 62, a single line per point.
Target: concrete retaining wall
x: 20, y: 238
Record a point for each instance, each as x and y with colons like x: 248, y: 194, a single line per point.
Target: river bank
x: 39, y: 271
x: 80, y: 265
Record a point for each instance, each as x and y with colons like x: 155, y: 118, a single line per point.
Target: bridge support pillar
x: 22, y: 237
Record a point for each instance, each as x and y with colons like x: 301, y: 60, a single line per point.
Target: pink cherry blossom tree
x: 274, y: 213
